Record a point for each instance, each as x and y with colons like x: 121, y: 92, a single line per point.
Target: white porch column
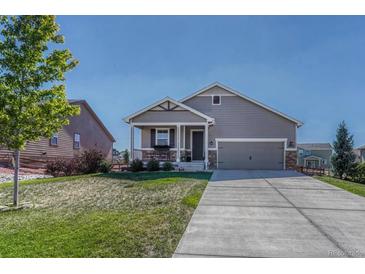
x: 131, y: 156
x: 178, y: 142
x: 206, y: 146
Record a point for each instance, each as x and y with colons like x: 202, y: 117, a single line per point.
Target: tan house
x: 215, y: 127
x: 85, y: 131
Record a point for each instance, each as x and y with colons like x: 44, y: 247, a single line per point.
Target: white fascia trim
x: 249, y: 140
x: 128, y: 118
x: 291, y: 149
x: 299, y: 123
x: 169, y: 124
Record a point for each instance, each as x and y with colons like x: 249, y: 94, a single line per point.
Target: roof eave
x: 198, y: 113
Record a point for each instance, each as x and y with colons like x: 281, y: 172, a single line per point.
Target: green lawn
x: 101, y: 215
x: 355, y: 188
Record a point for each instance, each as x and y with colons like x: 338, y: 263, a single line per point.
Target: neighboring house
x: 360, y: 154
x: 217, y: 127
x: 315, y: 155
x: 85, y: 132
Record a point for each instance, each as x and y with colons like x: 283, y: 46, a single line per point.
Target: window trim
x: 74, y: 141
x: 168, y: 136
x: 50, y: 140
x: 220, y: 100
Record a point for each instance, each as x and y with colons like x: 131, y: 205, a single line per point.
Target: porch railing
x: 161, y: 155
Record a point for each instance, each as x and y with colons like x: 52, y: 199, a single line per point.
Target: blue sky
x: 311, y: 68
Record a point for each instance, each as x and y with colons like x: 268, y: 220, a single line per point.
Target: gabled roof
x: 97, y: 119
x: 313, y: 157
x: 128, y: 118
x: 217, y: 84
x: 315, y: 146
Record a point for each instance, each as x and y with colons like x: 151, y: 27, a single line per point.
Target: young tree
x: 33, y: 101
x: 126, y: 156
x: 344, y: 157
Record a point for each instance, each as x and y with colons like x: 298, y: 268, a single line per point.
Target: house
x: 315, y: 155
x: 360, y: 154
x: 85, y: 131
x: 216, y: 127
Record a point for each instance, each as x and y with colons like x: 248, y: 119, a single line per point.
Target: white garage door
x: 251, y: 155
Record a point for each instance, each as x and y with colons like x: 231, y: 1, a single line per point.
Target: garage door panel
x: 250, y: 155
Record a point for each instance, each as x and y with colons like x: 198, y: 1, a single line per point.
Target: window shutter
x: 153, y: 137
x: 172, y: 137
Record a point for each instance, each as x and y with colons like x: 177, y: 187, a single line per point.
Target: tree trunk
x: 16, y: 178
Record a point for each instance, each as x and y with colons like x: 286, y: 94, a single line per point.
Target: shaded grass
x: 101, y: 216
x: 142, y: 176
x: 352, y: 187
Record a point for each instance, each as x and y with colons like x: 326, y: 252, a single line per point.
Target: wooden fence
x: 313, y: 171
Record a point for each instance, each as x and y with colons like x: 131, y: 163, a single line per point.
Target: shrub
x: 167, y: 166
x: 72, y: 167
x: 153, y: 165
x: 56, y: 168
x: 63, y: 167
x: 90, y: 161
x: 359, y: 173
x: 136, y: 165
x: 105, y: 166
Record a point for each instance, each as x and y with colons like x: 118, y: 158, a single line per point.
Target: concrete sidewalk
x: 274, y: 214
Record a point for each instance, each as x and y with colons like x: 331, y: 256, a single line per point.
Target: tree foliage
x: 33, y: 102
x: 344, y: 157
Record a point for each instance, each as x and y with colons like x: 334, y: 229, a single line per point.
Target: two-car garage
x: 247, y: 154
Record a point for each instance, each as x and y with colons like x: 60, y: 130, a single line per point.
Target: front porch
x: 170, y: 131
x: 183, y: 144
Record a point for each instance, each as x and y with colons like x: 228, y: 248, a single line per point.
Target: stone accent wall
x: 151, y: 154
x: 212, y: 158
x: 290, y: 159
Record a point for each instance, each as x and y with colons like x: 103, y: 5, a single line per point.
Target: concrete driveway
x: 274, y: 214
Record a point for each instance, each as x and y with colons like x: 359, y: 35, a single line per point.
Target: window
x: 216, y: 100
x: 162, y: 137
x: 54, y: 140
x: 76, y: 141
x: 301, y: 151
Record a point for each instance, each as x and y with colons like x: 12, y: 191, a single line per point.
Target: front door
x: 197, y: 145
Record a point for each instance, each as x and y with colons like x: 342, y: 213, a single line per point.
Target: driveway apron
x: 274, y: 214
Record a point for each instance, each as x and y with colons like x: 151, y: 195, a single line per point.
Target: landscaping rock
x: 6, y: 177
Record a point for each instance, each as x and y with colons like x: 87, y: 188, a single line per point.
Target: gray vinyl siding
x: 187, y: 135
x: 216, y: 91
x: 236, y: 117
x: 167, y: 117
